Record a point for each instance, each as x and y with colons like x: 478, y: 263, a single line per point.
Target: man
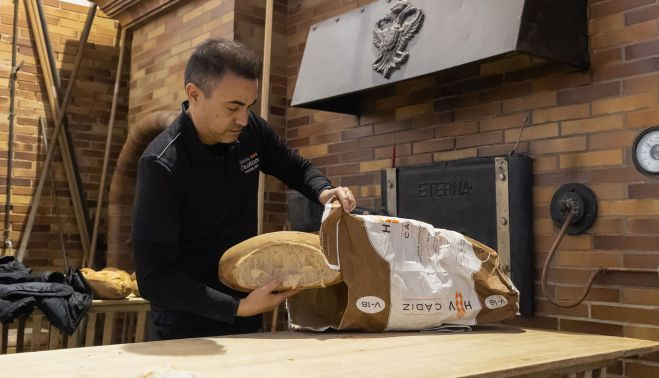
x: 196, y: 197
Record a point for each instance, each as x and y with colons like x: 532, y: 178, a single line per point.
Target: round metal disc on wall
x: 578, y: 198
x: 645, y: 152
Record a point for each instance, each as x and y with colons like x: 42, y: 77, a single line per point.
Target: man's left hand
x: 343, y: 194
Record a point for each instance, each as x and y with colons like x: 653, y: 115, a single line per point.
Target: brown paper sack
x: 402, y: 274
x: 109, y: 283
x: 294, y: 258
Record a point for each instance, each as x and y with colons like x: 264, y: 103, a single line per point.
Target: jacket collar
x: 198, y: 151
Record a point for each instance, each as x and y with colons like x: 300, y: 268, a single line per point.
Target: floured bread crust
x: 294, y: 258
x: 110, y: 283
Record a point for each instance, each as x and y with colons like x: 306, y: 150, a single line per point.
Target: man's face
x: 220, y: 117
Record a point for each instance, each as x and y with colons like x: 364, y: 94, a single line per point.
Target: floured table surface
x: 487, y: 351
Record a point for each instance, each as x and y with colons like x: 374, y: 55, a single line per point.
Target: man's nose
x: 242, y: 117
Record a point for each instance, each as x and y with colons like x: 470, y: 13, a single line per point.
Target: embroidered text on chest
x: 250, y: 163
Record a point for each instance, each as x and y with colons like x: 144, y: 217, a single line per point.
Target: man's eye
x: 232, y: 109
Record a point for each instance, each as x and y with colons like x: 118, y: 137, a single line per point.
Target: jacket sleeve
x: 281, y: 161
x: 156, y: 221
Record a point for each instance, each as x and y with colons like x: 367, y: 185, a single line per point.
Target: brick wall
x: 88, y: 111
x: 160, y: 49
x: 249, y: 29
x: 581, y: 128
x: 162, y: 46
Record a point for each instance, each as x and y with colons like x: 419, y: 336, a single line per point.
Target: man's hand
x: 263, y: 299
x: 343, y: 194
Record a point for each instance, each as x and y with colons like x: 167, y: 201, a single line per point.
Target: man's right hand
x: 263, y: 299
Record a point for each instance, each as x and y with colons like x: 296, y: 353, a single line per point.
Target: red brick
x: 414, y: 135
x: 351, y: 145
x: 581, y: 326
x: 641, y: 191
x: 432, y: 119
x: 596, y: 294
x: 642, y: 118
x: 376, y: 117
x: 504, y: 122
x: 615, y: 6
x: 648, y: 297
x: 390, y: 127
x: 325, y: 138
x: 615, y: 175
x: 640, y: 226
x: 611, y: 140
x: 479, y: 84
x: 560, y: 178
x: 641, y: 84
x: 478, y: 111
x: 508, y: 91
x: 295, y: 122
x: 453, y: 103
x: 639, y: 369
x: 545, y: 307
x: 641, y: 15
x: 626, y: 243
x: 604, y: 57
x: 558, y: 145
x: 642, y: 50
x: 343, y: 169
x: 502, y: 149
x: 625, y: 314
x: 433, y: 145
x: 368, y: 179
x: 376, y: 141
x: 478, y: 139
x: 636, y: 260
x: 453, y: 129
x: 326, y: 160
x: 588, y: 93
x: 414, y: 160
x: 364, y: 154
x: 626, y: 69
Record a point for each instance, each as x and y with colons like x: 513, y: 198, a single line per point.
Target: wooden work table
x: 487, y: 351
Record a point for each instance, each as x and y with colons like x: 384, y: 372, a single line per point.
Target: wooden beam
x: 56, y: 133
x: 52, y: 85
x: 265, y: 103
x: 106, y: 157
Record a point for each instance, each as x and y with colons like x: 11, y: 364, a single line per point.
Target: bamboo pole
x: 53, y: 90
x: 58, y: 213
x: 265, y: 102
x: 265, y: 106
x: 58, y: 128
x: 80, y: 208
x: 7, y: 246
x: 106, y: 156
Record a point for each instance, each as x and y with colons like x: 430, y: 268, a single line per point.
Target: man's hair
x: 214, y: 57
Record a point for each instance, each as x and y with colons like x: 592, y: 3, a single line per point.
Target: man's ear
x: 193, y: 92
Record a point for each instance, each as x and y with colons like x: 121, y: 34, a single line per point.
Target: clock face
x: 646, y: 152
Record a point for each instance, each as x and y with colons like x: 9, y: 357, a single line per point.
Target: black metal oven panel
x: 462, y: 195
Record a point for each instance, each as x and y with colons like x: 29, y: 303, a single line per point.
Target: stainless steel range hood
x: 337, y: 66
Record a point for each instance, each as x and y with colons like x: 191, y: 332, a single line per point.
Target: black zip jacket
x: 193, y: 202
x: 63, y: 299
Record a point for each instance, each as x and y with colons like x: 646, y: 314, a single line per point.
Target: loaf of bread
x: 294, y: 258
x: 110, y: 283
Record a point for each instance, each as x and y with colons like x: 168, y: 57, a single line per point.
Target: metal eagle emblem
x: 391, y: 35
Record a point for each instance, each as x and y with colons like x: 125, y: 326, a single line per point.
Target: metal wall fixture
x: 391, y: 34
x: 574, y: 208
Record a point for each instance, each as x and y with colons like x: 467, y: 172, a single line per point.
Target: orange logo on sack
x: 459, y: 305
x: 387, y: 220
